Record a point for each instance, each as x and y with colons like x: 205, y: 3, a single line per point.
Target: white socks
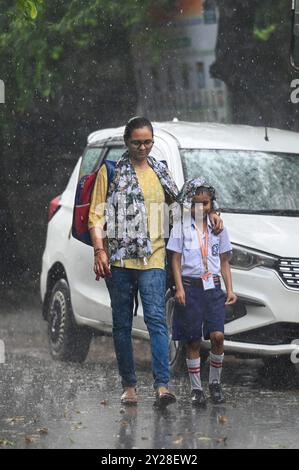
x: 193, y: 365
x: 194, y: 373
x: 216, y: 361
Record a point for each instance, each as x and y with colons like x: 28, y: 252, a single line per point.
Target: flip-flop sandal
x: 128, y: 400
x: 164, y: 399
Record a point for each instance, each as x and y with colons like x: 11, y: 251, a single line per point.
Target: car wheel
x: 177, y: 350
x: 68, y: 341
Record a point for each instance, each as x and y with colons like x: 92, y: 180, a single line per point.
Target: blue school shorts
x: 203, y: 313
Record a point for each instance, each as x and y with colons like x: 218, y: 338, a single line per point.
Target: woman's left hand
x: 217, y: 223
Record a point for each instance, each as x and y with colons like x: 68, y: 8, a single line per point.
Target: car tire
x: 67, y: 341
x: 176, y: 349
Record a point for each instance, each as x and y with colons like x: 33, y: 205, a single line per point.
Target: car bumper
x: 269, y: 301
x: 259, y: 350
x: 270, y: 326
x: 43, y: 277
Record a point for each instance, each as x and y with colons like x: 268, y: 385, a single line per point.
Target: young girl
x: 199, y: 256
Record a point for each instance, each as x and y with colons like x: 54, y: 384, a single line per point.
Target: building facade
x: 172, y: 65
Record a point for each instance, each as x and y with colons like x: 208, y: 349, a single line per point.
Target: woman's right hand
x: 102, y: 265
x: 180, y: 296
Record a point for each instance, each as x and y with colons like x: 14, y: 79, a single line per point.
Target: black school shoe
x: 217, y: 395
x: 198, y: 398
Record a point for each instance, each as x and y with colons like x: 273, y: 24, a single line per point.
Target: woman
x: 135, y: 256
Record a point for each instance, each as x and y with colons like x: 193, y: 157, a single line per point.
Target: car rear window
x: 114, y: 153
x: 90, y: 160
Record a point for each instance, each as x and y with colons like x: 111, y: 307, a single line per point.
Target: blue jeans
x: 151, y: 286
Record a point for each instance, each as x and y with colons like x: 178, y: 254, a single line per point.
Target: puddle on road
x: 47, y: 404
x: 79, y: 407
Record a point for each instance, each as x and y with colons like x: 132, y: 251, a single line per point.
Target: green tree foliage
x: 28, y: 8
x: 68, y: 70
x: 252, y: 58
x: 44, y: 34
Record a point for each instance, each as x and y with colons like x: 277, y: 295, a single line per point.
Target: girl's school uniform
x: 204, y: 310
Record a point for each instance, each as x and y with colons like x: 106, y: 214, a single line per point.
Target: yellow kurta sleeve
x: 96, y: 216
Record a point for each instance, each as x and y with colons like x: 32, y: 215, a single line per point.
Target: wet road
x: 47, y: 404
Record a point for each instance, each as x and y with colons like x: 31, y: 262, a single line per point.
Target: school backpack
x: 82, y: 202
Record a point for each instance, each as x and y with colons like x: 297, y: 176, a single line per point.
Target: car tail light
x: 54, y: 206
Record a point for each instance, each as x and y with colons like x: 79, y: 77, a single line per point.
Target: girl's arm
x: 227, y: 276
x: 176, y: 268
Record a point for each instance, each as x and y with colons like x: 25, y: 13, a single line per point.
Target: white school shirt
x: 187, y: 243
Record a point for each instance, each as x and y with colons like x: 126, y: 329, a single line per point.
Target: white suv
x: 256, y: 175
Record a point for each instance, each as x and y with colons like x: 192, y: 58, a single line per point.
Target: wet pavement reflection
x: 47, y: 404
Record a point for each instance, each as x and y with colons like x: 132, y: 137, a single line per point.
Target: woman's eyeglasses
x: 137, y: 143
